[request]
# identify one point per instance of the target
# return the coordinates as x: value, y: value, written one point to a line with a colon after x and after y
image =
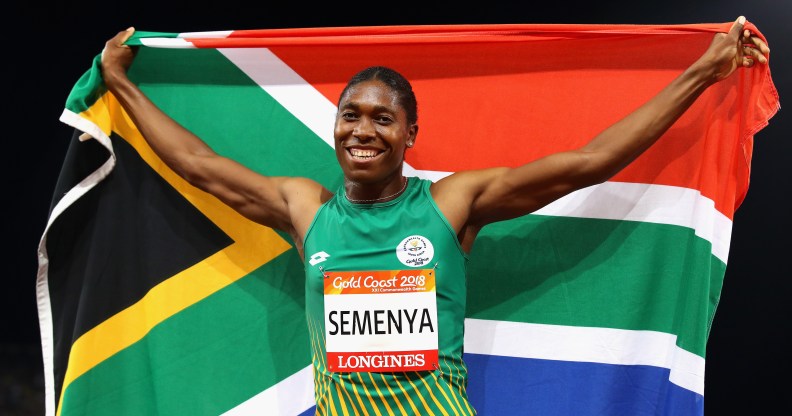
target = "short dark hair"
x: 393, y: 79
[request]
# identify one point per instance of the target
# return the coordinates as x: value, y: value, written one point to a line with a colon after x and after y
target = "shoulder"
x: 456, y: 194
x: 299, y: 188
x: 467, y: 183
x: 303, y: 197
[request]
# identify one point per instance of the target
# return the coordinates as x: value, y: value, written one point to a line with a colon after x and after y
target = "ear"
x: 412, y: 135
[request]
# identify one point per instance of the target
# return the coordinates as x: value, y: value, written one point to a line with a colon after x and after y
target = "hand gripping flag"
x: 155, y: 298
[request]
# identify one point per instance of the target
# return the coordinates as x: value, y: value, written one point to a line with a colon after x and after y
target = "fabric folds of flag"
x: 155, y: 298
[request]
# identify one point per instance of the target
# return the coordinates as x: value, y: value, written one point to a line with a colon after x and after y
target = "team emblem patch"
x: 415, y: 251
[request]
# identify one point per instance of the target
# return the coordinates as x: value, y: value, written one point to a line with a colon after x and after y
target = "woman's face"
x: 371, y: 133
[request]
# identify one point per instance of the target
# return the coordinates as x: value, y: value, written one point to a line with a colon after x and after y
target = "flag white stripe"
x: 170, y: 43
x: 42, y: 276
x: 215, y: 34
x: 659, y: 204
x: 288, y: 88
x: 291, y: 396
x: 586, y: 344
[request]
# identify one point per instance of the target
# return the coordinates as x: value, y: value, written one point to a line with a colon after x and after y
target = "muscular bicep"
x: 267, y: 200
x: 512, y: 192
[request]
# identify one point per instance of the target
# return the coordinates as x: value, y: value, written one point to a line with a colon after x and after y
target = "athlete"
x: 399, y: 349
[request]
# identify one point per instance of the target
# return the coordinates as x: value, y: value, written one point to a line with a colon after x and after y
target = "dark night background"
x: 47, y: 48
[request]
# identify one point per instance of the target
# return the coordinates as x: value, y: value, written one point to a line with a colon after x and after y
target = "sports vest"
x: 385, y: 304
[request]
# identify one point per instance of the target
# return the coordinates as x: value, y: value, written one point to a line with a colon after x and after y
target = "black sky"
x: 47, y: 48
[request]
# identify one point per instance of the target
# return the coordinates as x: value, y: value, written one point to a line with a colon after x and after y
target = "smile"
x: 363, y: 154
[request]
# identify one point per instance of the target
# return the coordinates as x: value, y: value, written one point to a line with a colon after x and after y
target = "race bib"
x: 384, y: 320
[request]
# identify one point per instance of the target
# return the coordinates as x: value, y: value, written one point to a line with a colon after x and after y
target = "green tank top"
x: 381, y: 250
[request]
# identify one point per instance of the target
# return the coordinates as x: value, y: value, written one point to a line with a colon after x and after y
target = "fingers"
x: 755, y: 41
x: 121, y: 37
x: 737, y: 28
x: 752, y: 53
x: 115, y: 48
x: 735, y: 49
x: 753, y: 48
x: 125, y: 35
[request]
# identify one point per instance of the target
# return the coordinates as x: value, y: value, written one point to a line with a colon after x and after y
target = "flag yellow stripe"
x: 254, y: 245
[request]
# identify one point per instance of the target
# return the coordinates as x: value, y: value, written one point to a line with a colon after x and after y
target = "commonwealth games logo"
x: 415, y: 251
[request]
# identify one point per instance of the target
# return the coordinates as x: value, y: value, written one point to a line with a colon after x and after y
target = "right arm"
x: 285, y: 203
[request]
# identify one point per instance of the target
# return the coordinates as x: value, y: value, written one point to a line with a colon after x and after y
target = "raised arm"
x: 280, y: 202
x: 475, y: 198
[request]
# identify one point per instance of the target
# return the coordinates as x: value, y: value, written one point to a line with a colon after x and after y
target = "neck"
x: 369, y: 193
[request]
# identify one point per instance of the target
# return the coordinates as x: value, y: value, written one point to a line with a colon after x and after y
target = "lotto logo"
x: 318, y: 258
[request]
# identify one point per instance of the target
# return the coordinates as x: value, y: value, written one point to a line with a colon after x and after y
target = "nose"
x: 364, y: 129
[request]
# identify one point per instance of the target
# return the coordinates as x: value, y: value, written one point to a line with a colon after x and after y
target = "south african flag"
x: 155, y: 298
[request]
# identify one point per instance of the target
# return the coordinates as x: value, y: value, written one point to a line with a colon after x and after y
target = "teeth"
x: 364, y: 153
